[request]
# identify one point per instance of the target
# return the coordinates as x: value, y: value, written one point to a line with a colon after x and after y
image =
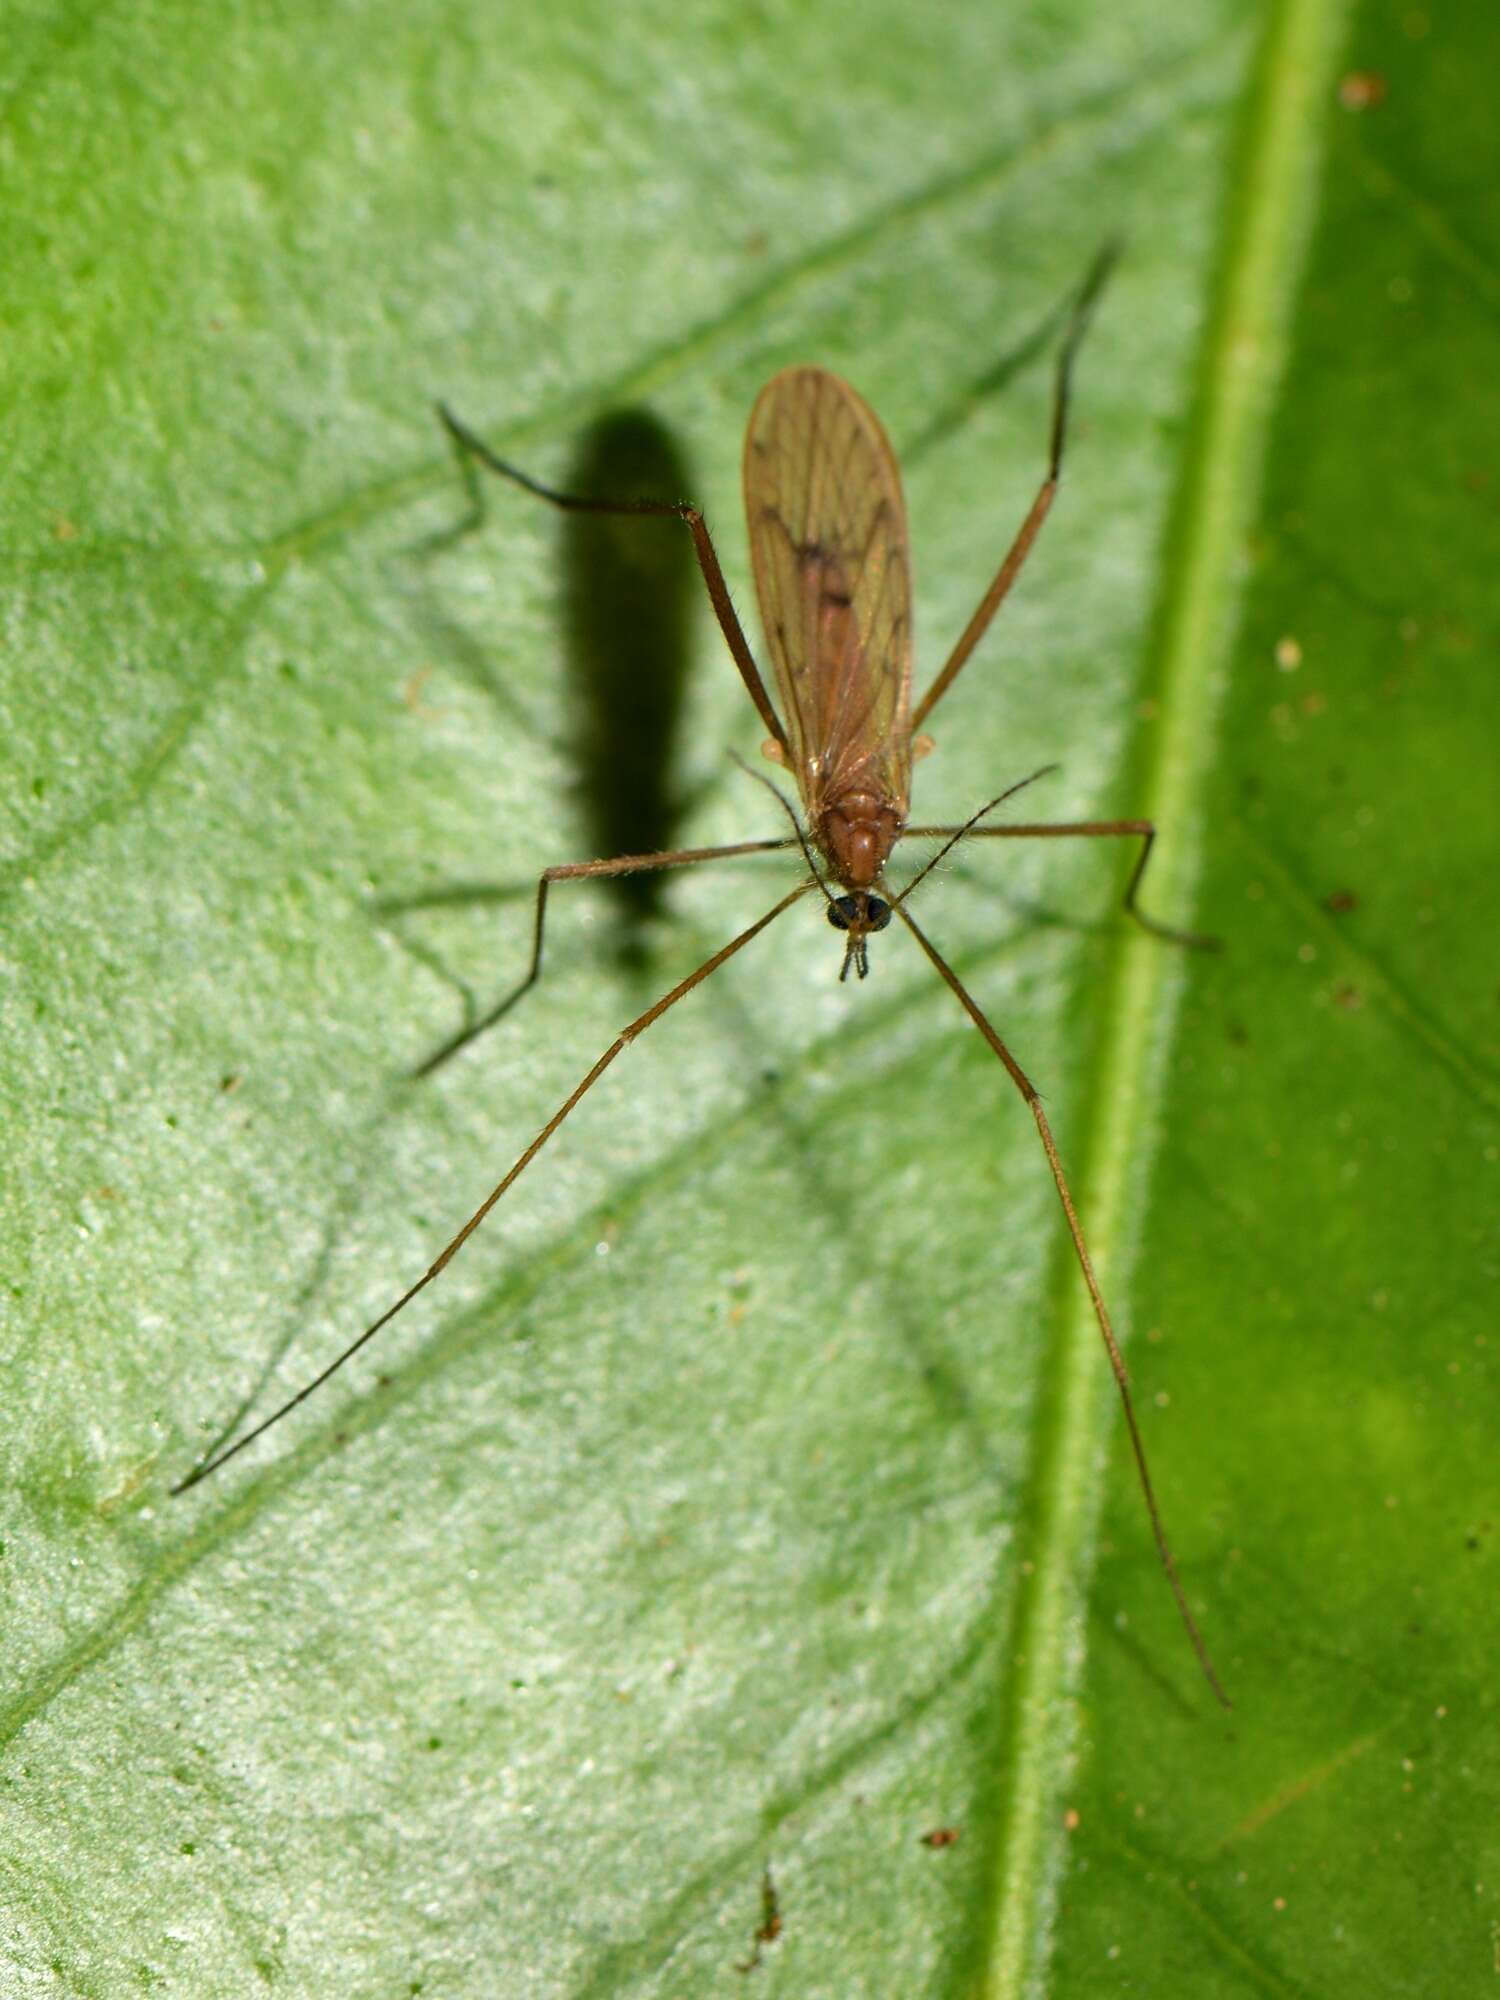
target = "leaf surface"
x: 734, y: 1499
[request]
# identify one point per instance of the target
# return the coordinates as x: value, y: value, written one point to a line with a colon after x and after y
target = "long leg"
x: 1020, y: 548
x: 451, y: 1250
x: 1025, y: 1086
x: 473, y: 447
x: 573, y: 871
x: 1143, y: 830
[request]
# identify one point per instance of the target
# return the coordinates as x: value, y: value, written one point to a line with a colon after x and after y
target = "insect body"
x: 828, y: 546
x: 828, y: 551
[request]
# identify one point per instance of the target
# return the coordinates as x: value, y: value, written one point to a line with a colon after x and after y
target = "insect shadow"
x: 628, y: 603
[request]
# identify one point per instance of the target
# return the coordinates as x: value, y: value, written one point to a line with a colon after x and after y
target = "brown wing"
x: 828, y: 547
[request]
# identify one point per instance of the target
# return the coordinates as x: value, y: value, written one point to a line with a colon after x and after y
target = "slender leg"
x: 1143, y: 830
x: 1020, y: 548
x: 451, y: 1249
x: 1024, y: 1085
x: 474, y: 448
x: 573, y: 871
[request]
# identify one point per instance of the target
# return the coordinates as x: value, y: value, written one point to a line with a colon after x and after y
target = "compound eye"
x: 841, y: 912
x: 877, y: 914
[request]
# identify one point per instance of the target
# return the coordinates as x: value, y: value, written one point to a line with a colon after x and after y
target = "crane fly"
x: 828, y: 547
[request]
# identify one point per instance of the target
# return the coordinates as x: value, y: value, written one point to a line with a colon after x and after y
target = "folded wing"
x: 828, y: 547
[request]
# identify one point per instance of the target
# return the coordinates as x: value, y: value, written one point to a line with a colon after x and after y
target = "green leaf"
x: 1319, y: 1257
x: 739, y: 1498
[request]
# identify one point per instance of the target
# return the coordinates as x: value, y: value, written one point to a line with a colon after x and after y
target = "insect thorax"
x: 856, y: 832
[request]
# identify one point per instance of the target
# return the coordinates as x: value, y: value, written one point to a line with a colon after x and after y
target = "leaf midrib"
x: 1274, y: 165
